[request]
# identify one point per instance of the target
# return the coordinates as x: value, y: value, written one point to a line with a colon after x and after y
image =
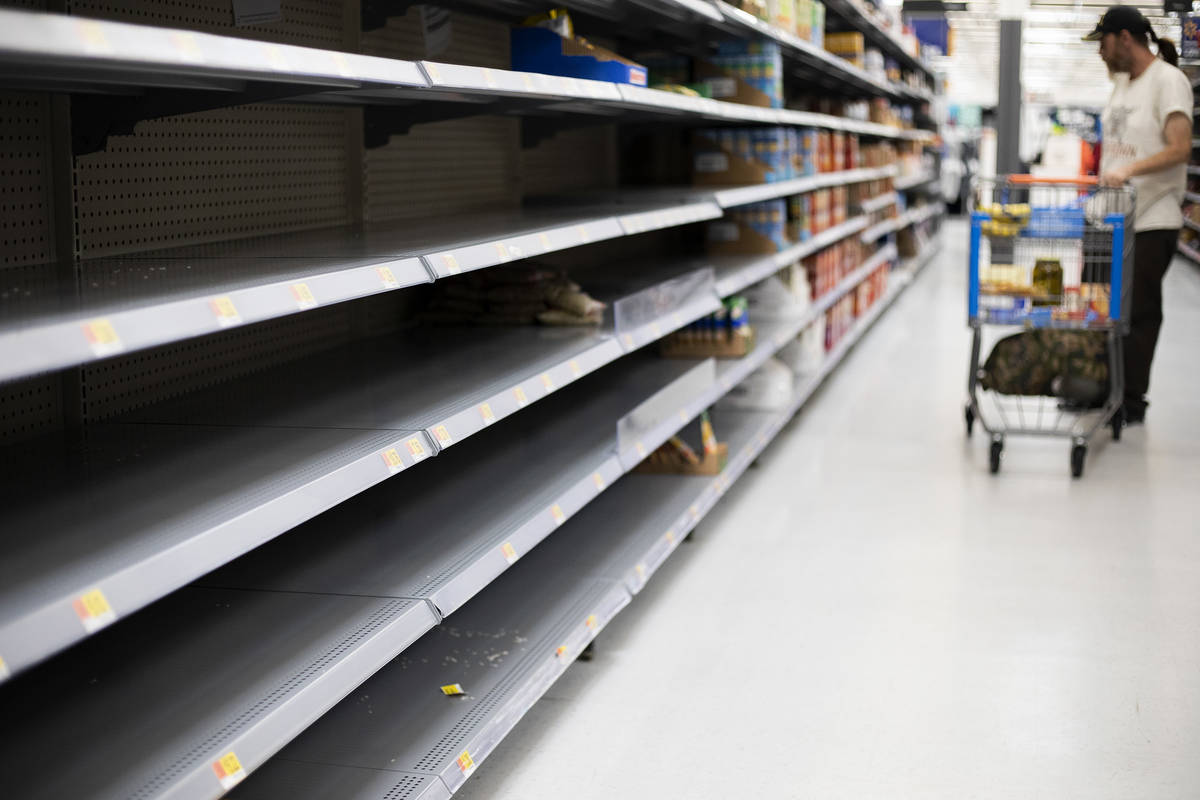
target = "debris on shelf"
x: 522, y: 295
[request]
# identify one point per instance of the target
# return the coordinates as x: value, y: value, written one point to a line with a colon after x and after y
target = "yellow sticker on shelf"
x: 557, y: 512
x: 627, y: 340
x: 229, y: 770
x: 641, y: 449
x: 562, y: 651
x: 391, y: 457
x: 186, y: 47
x: 443, y: 435
x: 416, y: 449
x: 677, y: 318
x: 656, y: 330
x: 435, y: 74
x: 453, y: 689
x: 502, y: 251
x: 93, y: 38
x: 225, y: 311
x: 576, y: 370
x: 583, y: 234
x: 670, y: 536
x: 598, y: 479
x: 545, y: 240
x: 304, y: 296
x: 340, y: 63
x: 510, y: 552
x: 547, y: 382
x: 102, y: 337
x: 489, y: 78
x: 276, y: 58
x: 683, y: 417
x: 640, y: 569
x: 592, y: 621
x: 93, y: 610
x: 387, y: 278
x: 522, y: 400
x: 4, y: 671
x: 527, y: 81
x: 466, y: 764
x: 694, y: 510
x: 451, y: 264
x: 485, y: 411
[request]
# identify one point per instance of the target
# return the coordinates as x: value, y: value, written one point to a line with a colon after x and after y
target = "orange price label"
x: 510, y: 552
x: 443, y: 435
x: 391, y: 458
x: 102, y: 338
x: 485, y: 411
x: 557, y: 512
x: 416, y: 449
x: 93, y: 610
x: 229, y: 770
x: 522, y: 400
x: 592, y: 621
x: 304, y: 296
x: 225, y: 311
x: 465, y: 764
x: 387, y: 278
x: 562, y: 652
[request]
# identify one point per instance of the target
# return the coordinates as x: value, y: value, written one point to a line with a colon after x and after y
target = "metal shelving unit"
x: 914, y: 181
x: 297, y: 611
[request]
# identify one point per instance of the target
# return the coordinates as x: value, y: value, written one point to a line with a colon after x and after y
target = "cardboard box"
x: 727, y: 346
x: 666, y: 462
x: 541, y: 50
x: 728, y: 237
x: 724, y: 85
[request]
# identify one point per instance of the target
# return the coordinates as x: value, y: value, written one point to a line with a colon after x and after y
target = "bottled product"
x: 1047, y: 282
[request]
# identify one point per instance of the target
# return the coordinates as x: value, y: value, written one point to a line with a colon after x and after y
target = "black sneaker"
x: 1135, y: 416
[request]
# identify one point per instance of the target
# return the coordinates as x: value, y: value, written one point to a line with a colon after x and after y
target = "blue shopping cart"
x: 1052, y: 260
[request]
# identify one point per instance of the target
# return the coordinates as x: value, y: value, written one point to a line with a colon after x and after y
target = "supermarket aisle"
x: 872, y: 615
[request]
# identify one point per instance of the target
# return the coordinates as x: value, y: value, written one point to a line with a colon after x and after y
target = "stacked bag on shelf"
x: 518, y: 295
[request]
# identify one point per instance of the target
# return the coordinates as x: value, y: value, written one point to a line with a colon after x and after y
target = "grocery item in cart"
x: 1044, y: 362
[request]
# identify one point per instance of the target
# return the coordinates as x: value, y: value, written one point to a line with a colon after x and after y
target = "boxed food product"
x: 750, y: 229
x: 804, y: 19
x: 757, y: 64
x: 818, y: 23
x: 724, y: 156
x: 783, y: 14
x: 538, y: 49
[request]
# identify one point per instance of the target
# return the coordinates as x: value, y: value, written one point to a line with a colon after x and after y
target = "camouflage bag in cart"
x: 1070, y: 364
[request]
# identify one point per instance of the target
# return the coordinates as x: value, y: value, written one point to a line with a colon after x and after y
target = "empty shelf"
x: 735, y: 273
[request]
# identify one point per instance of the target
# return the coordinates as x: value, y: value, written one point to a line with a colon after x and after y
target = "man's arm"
x: 1178, y: 133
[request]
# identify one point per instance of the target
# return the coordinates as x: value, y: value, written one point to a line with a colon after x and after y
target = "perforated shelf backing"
x: 134, y: 381
x: 312, y: 23
x: 580, y: 159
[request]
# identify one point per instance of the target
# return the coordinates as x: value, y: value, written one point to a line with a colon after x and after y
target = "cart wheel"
x: 970, y: 421
x: 1078, y: 454
x: 997, y: 450
x: 1117, y: 422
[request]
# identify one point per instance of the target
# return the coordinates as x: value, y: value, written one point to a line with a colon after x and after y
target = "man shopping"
x: 1147, y: 140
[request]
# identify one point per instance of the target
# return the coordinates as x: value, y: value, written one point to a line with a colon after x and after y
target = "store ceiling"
x: 1056, y: 66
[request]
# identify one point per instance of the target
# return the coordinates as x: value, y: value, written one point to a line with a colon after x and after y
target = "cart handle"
x: 1081, y: 180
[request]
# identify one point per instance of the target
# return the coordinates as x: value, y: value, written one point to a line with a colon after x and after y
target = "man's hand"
x: 1117, y: 175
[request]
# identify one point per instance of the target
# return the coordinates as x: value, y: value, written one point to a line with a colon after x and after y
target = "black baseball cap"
x: 1117, y: 19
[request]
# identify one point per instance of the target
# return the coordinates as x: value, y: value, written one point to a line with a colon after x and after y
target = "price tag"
x: 683, y: 417
x: 510, y: 552
x: 435, y: 74
x: 557, y: 512
x: 640, y: 569
x: 485, y: 411
x: 502, y: 251
x: 660, y: 220
x: 465, y: 764
x: 584, y: 236
x: 229, y: 770
x: 225, y: 311
x: 451, y: 264
x: 93, y: 610
x: 522, y: 400
x: 452, y: 689
x: 677, y: 318
x: 304, y: 296
x: 387, y: 278
x: 598, y: 479
x: 416, y: 450
x: 276, y: 58
x: 527, y: 81
x: 656, y: 330
x: 592, y: 621
x: 576, y: 370
x: 670, y: 536
x: 443, y: 435
x: 489, y: 78
x: 627, y: 340
x: 340, y: 63
x: 95, y: 42
x: 4, y: 671
x: 562, y: 653
x: 186, y: 47
x: 547, y: 382
x: 640, y: 449
x: 545, y: 240
x: 391, y: 457
x: 102, y: 338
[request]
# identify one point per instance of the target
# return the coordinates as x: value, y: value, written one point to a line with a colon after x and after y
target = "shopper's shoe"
x: 1134, y: 416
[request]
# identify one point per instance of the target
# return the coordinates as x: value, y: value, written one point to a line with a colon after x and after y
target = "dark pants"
x: 1153, y: 251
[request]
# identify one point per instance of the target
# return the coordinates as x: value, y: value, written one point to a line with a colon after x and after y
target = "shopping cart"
x: 1053, y: 259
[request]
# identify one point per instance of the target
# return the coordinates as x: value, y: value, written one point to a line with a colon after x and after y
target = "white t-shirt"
x: 1132, y: 129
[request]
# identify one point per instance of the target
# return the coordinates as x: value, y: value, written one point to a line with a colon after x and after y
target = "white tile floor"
x: 870, y: 614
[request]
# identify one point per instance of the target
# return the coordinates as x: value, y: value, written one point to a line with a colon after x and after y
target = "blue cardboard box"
x: 541, y: 50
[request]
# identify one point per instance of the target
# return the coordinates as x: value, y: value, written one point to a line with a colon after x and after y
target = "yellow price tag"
x: 465, y: 764
x: 443, y: 435
x: 502, y: 251
x: 304, y: 296
x: 102, y: 337
x: 640, y: 569
x: 522, y: 400
x: 583, y: 234
x: 527, y: 81
x: 545, y: 240
x: 598, y: 479
x: 576, y: 370
x: 561, y: 651
x: 416, y: 449
x: 391, y: 458
x: 592, y: 621
x: 435, y: 74
x: 93, y: 610
x: 225, y: 311
x: 557, y: 512
x: 489, y: 78
x: 4, y: 671
x: 340, y: 63
x: 229, y: 770
x: 641, y: 449
x: 276, y: 58
x: 670, y: 536
x: 453, y: 689
x: 95, y: 42
x: 387, y: 278
x: 186, y: 47
x: 510, y: 552
x: 627, y: 340
x: 656, y: 330
x: 451, y: 264
x: 485, y: 411
x: 547, y: 382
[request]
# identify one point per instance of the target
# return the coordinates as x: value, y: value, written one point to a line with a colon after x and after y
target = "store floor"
x: 870, y: 614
